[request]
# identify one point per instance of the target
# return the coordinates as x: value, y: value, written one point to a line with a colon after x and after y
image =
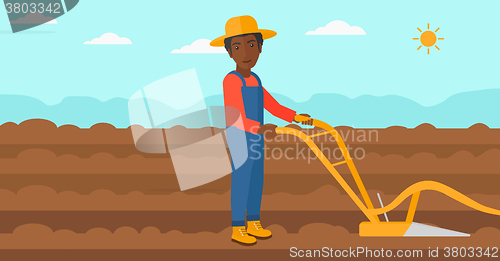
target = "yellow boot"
x: 255, y: 229
x: 241, y: 236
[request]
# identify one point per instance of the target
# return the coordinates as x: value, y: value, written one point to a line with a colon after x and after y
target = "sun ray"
x: 437, y: 47
x: 415, y: 38
x: 428, y: 26
x: 419, y: 47
x: 419, y: 29
x: 437, y: 30
x: 428, y: 51
x: 440, y: 38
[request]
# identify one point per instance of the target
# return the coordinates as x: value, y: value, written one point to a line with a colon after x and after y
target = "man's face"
x: 245, y: 51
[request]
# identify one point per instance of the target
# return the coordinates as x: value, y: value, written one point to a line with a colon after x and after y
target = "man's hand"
x: 268, y: 130
x: 307, y: 122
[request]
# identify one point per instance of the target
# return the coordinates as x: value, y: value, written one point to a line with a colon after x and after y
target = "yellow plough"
x: 374, y: 227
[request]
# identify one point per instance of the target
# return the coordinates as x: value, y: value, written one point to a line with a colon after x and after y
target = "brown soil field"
x: 36, y: 236
x: 297, y: 184
x: 103, y: 137
x: 178, y: 254
x: 72, y: 193
x: 215, y: 221
x: 42, y: 161
x: 326, y: 198
x: 39, y: 131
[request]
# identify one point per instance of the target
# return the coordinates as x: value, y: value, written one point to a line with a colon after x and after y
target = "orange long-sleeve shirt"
x: 234, y: 99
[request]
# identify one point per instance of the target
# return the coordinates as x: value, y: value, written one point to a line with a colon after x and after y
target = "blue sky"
x: 51, y: 62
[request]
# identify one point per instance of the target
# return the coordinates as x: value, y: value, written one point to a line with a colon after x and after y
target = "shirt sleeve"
x: 276, y: 109
x: 234, y: 107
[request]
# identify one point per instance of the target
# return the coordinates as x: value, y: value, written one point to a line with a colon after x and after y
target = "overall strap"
x: 240, y: 76
x: 257, y: 77
x: 243, y: 79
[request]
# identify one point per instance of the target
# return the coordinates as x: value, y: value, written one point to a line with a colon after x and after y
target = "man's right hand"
x: 305, y: 122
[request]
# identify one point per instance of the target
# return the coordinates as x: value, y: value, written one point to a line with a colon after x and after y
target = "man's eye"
x: 236, y: 47
x: 251, y: 45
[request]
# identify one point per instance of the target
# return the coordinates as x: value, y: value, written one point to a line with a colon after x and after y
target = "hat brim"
x: 266, y: 34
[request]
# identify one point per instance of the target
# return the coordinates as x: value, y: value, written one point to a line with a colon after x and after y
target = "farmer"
x: 244, y: 93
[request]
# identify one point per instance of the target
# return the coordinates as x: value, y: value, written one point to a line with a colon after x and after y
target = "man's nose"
x: 245, y: 51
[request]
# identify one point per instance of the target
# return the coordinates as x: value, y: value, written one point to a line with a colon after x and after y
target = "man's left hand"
x: 268, y: 130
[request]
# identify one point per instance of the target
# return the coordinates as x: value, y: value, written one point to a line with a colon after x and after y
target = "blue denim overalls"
x: 247, y: 178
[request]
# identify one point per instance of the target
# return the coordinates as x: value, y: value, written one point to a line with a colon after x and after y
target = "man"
x: 243, y: 93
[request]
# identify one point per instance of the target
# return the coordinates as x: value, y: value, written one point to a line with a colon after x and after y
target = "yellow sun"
x: 428, y: 39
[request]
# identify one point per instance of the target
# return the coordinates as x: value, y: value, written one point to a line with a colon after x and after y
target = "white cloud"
x: 34, y: 18
x: 200, y: 46
x: 109, y: 38
x: 338, y: 28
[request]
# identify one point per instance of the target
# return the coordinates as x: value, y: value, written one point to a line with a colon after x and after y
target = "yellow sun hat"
x: 242, y: 25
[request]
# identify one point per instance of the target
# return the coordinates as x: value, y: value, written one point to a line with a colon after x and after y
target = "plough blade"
x: 422, y: 230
